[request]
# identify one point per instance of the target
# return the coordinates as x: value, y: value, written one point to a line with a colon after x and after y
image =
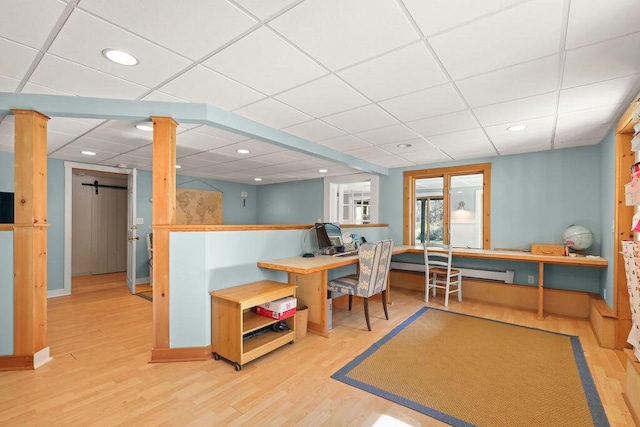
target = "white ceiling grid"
x: 359, y: 76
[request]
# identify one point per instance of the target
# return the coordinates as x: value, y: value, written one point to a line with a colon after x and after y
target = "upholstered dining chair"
x: 439, y: 274
x: 374, y: 260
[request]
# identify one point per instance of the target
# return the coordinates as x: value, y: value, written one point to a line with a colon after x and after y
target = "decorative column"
x: 30, y: 240
x: 164, y: 215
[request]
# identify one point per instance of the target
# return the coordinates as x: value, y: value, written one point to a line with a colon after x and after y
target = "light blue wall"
x: 6, y: 293
x: 298, y: 202
x: 55, y: 217
x: 202, y: 262
x: 607, y: 196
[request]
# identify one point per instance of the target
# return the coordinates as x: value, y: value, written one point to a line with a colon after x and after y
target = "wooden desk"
x: 521, y: 257
x: 310, y: 274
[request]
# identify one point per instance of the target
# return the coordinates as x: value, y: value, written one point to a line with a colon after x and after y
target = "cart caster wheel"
x: 238, y: 366
x: 292, y: 341
x: 216, y: 356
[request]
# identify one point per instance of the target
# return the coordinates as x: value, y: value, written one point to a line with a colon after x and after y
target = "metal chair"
x: 374, y: 261
x: 439, y: 274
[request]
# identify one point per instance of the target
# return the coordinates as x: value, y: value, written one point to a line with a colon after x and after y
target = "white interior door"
x: 132, y: 235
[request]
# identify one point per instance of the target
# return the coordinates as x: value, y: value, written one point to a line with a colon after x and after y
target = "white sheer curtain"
x: 631, y: 253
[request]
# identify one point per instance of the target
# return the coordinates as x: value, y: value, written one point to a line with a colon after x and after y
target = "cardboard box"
x: 280, y: 305
x: 277, y: 315
x: 547, y: 249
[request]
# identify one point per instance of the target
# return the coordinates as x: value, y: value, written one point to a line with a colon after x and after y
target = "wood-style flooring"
x: 100, y: 339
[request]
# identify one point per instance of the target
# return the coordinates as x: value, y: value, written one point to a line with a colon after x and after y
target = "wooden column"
x: 30, y: 239
x: 164, y: 215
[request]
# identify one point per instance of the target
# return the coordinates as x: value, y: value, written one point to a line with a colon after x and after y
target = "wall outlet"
x: 140, y: 221
x: 530, y: 279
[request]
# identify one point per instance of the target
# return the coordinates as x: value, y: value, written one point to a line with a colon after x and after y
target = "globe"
x: 577, y: 237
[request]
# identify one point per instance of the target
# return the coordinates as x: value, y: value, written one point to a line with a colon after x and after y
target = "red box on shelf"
x: 277, y: 315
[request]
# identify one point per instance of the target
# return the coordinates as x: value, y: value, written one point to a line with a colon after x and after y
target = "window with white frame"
x: 351, y: 199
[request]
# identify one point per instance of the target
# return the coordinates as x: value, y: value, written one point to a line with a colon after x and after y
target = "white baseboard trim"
x: 58, y: 293
x: 41, y: 357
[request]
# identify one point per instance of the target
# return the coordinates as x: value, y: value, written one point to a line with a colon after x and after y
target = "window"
x: 448, y: 205
x: 351, y: 199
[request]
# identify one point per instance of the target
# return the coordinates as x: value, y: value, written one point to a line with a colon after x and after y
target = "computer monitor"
x: 329, y: 234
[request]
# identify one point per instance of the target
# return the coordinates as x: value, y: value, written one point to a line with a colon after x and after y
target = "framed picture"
x: 336, y: 241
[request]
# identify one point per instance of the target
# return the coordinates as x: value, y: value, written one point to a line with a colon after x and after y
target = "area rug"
x: 148, y: 295
x: 465, y: 370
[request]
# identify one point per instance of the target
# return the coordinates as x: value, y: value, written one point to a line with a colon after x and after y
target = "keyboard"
x: 341, y: 254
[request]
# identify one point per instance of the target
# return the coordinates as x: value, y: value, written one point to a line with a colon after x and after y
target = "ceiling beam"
x: 182, y: 112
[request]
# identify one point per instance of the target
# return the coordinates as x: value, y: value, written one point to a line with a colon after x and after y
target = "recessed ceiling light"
x: 323, y: 170
x: 516, y: 128
x: 404, y: 145
x: 88, y: 153
x: 122, y: 165
x: 144, y: 127
x: 257, y: 179
x: 242, y: 151
x: 120, y: 57
x: 178, y: 166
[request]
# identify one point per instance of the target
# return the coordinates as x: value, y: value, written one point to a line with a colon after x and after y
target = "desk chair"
x: 439, y: 274
x: 374, y: 260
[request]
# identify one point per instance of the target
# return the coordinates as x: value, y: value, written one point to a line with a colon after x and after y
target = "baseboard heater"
x: 505, y: 276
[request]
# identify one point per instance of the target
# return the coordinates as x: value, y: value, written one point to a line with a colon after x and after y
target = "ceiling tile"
x: 427, y: 156
x: 192, y: 162
x: 72, y: 126
x: 524, y: 147
x: 273, y: 113
x: 8, y: 84
x: 103, y: 146
x: 344, y: 143
x: 592, y: 21
x: 327, y: 95
x: 361, y: 119
x: 416, y: 145
x: 20, y: 56
x: 201, y: 141
x: 69, y: 77
x: 581, y: 133
x: 156, y: 64
x: 462, y: 120
x: 519, y: 109
x: 339, y: 33
x: 603, y: 61
x: 397, y: 73
x: 426, y: 103
x: 471, y: 137
x: 314, y: 130
x: 42, y: 90
x: 529, y: 31
x: 264, y: 9
x: 257, y: 149
x: 577, y: 143
x: 129, y: 161
x: 194, y: 29
x: 597, y: 94
x: 202, y: 85
x: 434, y: 16
x: 393, y: 133
x: 528, y: 79
x: 29, y: 21
x: 538, y: 132
x: 264, y: 61
x: 161, y: 97
x: 589, y: 117
x: 278, y: 158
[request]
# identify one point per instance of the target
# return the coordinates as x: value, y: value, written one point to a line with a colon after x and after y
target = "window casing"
x: 420, y: 220
x: 351, y: 199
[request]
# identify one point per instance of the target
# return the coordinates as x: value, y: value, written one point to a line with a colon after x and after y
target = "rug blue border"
x: 598, y: 414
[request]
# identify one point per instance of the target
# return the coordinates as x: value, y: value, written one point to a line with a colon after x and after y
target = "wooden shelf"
x: 232, y: 317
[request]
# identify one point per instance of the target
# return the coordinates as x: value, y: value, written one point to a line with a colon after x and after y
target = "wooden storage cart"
x: 233, y: 320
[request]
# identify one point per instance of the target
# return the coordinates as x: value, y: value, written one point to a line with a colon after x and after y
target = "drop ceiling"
x: 397, y: 83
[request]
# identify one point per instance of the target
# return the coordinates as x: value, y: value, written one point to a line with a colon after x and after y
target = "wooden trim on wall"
x: 163, y: 214
x: 16, y: 363
x: 623, y: 215
x: 30, y: 234
x: 181, y: 354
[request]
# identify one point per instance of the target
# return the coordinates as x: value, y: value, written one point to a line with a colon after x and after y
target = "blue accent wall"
x: 6, y: 293
x: 55, y: 217
x: 298, y: 202
x: 608, y: 197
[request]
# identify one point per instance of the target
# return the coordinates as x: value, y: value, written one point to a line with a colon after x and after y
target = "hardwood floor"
x: 100, y: 339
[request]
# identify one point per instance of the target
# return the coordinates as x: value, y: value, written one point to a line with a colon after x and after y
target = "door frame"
x: 68, y: 198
